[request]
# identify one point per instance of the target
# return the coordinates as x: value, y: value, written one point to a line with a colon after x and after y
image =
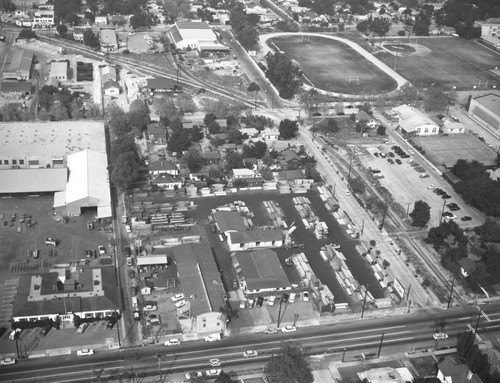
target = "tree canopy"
x: 283, y: 74
x: 289, y: 365
x: 288, y: 129
x: 421, y: 214
x: 244, y: 25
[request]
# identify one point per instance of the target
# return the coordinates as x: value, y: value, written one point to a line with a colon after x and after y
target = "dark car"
x: 391, y: 161
x: 45, y: 330
x: 398, y: 161
x: 260, y: 301
x: 446, y: 196
x: 466, y: 218
x: 375, y: 154
x: 111, y: 323
x: 285, y: 298
x: 391, y: 154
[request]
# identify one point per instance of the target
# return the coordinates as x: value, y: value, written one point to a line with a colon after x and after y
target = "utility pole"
x: 362, y: 226
x: 383, y: 217
x: 279, y: 312
x: 451, y: 292
x: 477, y: 322
x: 364, y: 301
x: 380, y: 346
x: 350, y: 166
x: 408, y: 209
x: 442, y: 212
x: 343, y: 354
x: 159, y: 367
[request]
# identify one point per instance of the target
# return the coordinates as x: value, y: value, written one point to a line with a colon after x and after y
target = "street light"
x: 159, y: 367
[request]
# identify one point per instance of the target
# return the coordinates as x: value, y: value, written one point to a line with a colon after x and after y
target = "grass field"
x: 447, y: 150
x: 449, y: 61
x: 327, y: 64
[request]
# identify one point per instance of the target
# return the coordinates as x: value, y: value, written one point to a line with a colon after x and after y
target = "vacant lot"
x: 447, y: 61
x: 333, y: 66
x: 447, y: 150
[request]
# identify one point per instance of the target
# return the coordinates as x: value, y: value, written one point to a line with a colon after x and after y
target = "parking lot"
x: 405, y: 183
x: 22, y: 235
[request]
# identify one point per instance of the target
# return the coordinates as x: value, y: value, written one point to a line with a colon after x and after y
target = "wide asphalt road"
x: 359, y: 338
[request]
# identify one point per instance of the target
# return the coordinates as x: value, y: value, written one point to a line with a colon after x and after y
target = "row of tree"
x: 477, y: 360
x: 244, y: 25
x: 126, y: 164
x: 283, y: 74
x: 477, y: 188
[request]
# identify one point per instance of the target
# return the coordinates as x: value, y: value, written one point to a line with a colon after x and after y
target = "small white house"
x: 271, y: 134
x: 244, y: 173
x: 111, y: 88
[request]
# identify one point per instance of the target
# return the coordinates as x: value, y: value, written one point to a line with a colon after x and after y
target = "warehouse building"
x: 486, y: 110
x: 195, y: 35
x: 247, y: 240
x: 17, y: 64
x: 260, y: 271
x: 87, y: 186
x: 59, y: 70
x: 108, y: 39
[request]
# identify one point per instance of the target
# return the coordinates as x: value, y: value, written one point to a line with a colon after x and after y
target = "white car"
x: 289, y: 329
x: 440, y: 336
x: 196, y: 374
x: 430, y: 187
x: 131, y: 34
x: 271, y: 330
x: 85, y: 352
x: 272, y: 300
x: 50, y: 242
x: 7, y: 361
x: 173, y: 342
x: 305, y: 296
x: 243, y: 304
x: 213, y: 372
x: 250, y: 354
x: 177, y: 297
x: 102, y: 250
x: 347, y: 192
x: 180, y: 304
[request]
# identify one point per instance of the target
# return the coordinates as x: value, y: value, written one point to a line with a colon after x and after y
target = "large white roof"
x: 88, y: 179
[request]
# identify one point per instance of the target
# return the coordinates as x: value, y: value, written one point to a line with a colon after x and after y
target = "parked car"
x: 85, y: 352
x: 131, y: 274
x: 102, y: 250
x: 137, y: 315
x: 251, y: 303
x: 271, y: 330
x: 213, y: 372
x: 446, y: 196
x: 391, y: 161
x: 173, y: 342
x: 177, y: 297
x: 82, y: 328
x: 440, y: 336
x: 453, y: 206
x: 111, y: 323
x: 272, y: 300
x: 213, y: 337
x: 398, y: 161
x: 449, y: 215
x: 250, y: 354
x: 214, y: 362
x: 243, y: 304
x: 289, y: 329
x: 305, y: 296
x: 466, y: 218
x: 260, y: 301
x: 424, y: 175
x: 192, y: 375
x: 347, y: 192
x: 7, y: 361
x: 49, y: 241
x: 180, y: 304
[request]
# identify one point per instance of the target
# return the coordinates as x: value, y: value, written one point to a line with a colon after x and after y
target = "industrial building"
x: 108, y: 39
x: 414, y: 123
x: 247, y: 240
x: 195, y: 35
x: 17, y: 64
x: 486, y: 110
x: 59, y: 70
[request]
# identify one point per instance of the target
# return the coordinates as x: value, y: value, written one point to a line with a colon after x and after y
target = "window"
x: 204, y: 325
x: 34, y: 162
x: 21, y: 162
x: 0, y: 162
x: 426, y: 130
x: 257, y: 243
x: 434, y: 130
x: 14, y: 162
x: 6, y: 162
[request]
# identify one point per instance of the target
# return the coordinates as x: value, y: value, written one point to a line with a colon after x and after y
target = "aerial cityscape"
x: 250, y: 191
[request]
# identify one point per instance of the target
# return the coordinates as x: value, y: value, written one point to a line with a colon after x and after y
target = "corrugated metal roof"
x: 229, y: 220
x: 42, y: 180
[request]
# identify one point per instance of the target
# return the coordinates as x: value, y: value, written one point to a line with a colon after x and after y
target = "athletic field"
x: 447, y: 150
x: 333, y: 66
x: 448, y: 61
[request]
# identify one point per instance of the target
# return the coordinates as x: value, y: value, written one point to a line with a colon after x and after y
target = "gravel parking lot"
x: 406, y: 186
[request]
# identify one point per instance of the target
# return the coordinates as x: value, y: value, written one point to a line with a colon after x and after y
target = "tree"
x: 357, y: 185
x: 283, y: 74
x: 289, y: 365
x: 380, y: 26
x: 310, y: 101
x: 59, y: 112
x: 363, y: 26
x: 234, y: 136
x: 223, y: 378
x: 435, y: 99
x: 90, y: 39
x: 288, y: 129
x: 421, y: 214
x: 125, y: 170
x: 7, y: 6
x: 139, y: 19
x: 165, y: 107
x: 234, y: 160
x: 193, y: 159
x: 178, y: 142
x: 185, y: 103
x: 254, y: 87
x: 213, y: 127
x: 62, y: 30
x: 381, y: 130
x: 260, y: 149
x: 27, y: 34
x: 118, y: 20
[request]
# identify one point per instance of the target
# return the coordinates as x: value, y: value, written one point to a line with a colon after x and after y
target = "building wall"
x: 112, y: 92
x: 427, y: 130
x: 484, y: 115
x: 170, y: 186
x: 67, y: 317
x: 252, y: 245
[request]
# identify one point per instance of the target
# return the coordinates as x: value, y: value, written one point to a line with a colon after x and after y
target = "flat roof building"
x: 53, y: 295
x: 59, y: 70
x: 16, y: 64
x: 486, y: 110
x: 227, y: 221
x: 108, y: 39
x: 203, y: 289
x: 32, y: 181
x: 195, y: 35
x: 260, y: 271
x: 248, y: 240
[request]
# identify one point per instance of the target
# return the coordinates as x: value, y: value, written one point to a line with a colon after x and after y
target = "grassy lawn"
x: 328, y: 64
x: 447, y: 61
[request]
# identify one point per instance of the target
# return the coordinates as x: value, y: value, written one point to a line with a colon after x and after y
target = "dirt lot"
x: 317, y: 58
x: 449, y: 61
x: 18, y: 239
